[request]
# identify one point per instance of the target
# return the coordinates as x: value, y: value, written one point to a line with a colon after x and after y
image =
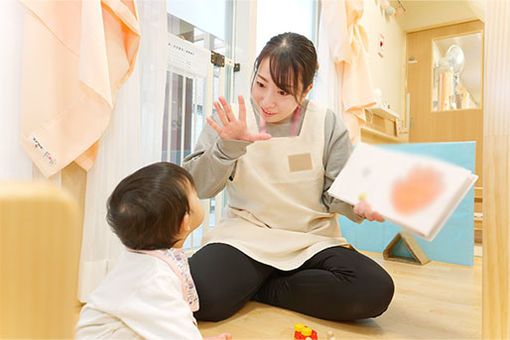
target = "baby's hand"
x: 222, y: 336
x: 364, y: 209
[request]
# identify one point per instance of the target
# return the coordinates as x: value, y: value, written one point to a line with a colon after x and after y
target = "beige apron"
x: 274, y: 212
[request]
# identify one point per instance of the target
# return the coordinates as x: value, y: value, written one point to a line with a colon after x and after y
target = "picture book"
x: 418, y: 193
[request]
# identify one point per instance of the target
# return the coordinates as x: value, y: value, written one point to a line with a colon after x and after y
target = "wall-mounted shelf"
x: 383, y: 112
x: 380, y: 136
x: 382, y: 126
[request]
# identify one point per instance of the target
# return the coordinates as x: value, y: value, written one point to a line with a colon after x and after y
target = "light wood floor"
x: 435, y: 301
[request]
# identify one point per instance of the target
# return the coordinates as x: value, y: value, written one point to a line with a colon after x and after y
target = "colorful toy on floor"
x: 301, y: 332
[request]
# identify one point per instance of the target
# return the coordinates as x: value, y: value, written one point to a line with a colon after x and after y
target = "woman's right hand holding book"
x: 363, y: 209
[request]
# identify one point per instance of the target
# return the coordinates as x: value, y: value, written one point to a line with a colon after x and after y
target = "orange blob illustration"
x: 416, y: 191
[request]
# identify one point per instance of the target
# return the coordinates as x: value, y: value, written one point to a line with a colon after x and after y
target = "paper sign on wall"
x: 186, y: 59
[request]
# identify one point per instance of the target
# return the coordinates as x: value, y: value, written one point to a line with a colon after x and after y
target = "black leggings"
x: 335, y: 284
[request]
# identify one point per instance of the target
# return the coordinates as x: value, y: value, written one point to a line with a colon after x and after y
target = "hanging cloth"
x: 76, y: 56
x: 348, y: 49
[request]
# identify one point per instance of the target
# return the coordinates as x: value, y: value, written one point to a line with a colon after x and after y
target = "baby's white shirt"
x: 140, y: 298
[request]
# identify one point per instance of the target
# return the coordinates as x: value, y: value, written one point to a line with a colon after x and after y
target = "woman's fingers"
x: 242, y: 108
x: 234, y: 128
x: 361, y: 208
x: 215, y: 126
x: 227, y: 109
x: 221, y: 114
x: 364, y: 209
x: 378, y: 217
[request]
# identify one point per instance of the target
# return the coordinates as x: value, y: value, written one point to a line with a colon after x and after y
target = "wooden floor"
x: 435, y: 301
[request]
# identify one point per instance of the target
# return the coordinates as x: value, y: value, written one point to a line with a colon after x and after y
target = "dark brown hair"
x: 146, y: 208
x: 291, y: 57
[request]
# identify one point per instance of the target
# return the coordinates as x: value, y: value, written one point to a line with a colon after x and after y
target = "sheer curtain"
x: 119, y: 154
x: 14, y: 163
x: 328, y: 87
x: 133, y: 139
x: 153, y: 59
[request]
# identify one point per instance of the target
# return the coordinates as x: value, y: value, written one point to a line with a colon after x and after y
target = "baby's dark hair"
x: 147, y: 207
x: 292, y: 57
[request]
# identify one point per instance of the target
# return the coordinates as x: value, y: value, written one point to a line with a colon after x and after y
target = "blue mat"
x: 455, y: 242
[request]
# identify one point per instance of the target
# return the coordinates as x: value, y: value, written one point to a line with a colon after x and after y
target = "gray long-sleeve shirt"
x: 213, y: 162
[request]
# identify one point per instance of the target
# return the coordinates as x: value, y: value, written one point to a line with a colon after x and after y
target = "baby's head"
x: 155, y: 208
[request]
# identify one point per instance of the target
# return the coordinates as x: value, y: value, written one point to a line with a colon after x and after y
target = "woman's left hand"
x: 364, y: 209
x: 232, y: 127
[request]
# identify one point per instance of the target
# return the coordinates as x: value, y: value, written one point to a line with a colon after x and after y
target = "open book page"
x: 416, y: 192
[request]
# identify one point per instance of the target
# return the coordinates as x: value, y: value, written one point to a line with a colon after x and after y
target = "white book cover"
x: 418, y: 193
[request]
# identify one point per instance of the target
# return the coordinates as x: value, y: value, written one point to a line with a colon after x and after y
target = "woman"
x: 279, y: 242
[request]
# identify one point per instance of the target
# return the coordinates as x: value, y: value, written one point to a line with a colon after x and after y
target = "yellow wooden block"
x: 40, y: 240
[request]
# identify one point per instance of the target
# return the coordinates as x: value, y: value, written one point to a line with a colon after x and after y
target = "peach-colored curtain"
x: 76, y: 56
x: 346, y: 61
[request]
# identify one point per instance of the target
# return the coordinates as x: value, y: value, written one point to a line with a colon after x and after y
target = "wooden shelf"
x: 383, y: 112
x: 381, y: 135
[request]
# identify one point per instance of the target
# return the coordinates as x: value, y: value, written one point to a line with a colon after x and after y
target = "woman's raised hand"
x: 234, y: 128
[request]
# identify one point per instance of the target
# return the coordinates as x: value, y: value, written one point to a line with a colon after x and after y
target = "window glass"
x: 206, y: 24
x: 275, y: 17
x: 457, y: 72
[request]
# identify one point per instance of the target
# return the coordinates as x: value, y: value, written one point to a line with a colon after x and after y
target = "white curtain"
x: 133, y: 139
x: 153, y: 57
x: 119, y: 154
x: 327, y: 88
x: 14, y: 163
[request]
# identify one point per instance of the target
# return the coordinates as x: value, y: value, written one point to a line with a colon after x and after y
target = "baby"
x: 149, y: 293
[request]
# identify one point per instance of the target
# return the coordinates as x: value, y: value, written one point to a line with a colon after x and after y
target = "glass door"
x: 193, y: 81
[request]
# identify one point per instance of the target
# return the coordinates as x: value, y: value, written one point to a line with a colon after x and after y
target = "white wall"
x: 388, y: 72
